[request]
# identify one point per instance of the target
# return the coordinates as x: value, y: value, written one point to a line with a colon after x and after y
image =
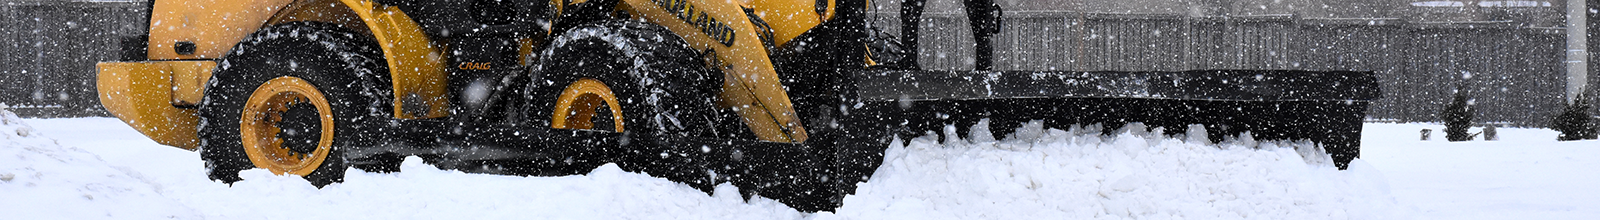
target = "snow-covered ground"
x: 88, y: 168
x: 1527, y: 174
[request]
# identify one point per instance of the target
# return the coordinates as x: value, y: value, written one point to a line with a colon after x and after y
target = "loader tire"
x: 293, y: 98
x: 637, y: 71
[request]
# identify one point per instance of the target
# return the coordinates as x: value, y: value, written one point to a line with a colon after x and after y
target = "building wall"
x: 50, y: 49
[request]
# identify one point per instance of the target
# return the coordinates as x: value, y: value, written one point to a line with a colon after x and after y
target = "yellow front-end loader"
x: 789, y: 99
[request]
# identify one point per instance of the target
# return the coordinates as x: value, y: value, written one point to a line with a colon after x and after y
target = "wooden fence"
x: 50, y: 49
x: 1514, y: 73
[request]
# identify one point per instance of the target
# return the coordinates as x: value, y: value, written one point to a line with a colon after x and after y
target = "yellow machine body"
x: 146, y: 94
x: 158, y: 97
x: 213, y: 26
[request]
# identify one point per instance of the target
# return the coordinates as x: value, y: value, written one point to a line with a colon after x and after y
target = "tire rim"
x: 581, y: 101
x: 287, y: 126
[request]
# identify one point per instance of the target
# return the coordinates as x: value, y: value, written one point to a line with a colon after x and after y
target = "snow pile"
x: 422, y: 191
x: 40, y: 179
x: 1079, y: 174
x: 1035, y: 174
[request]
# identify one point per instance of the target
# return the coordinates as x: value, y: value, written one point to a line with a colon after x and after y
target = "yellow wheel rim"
x: 577, y: 105
x: 261, y: 122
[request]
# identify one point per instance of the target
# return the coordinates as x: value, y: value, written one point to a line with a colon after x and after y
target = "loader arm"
x: 731, y: 43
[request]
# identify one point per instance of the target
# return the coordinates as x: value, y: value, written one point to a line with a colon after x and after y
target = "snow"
x: 1524, y: 175
x: 418, y: 192
x: 1035, y: 174
x: 40, y: 179
x: 1066, y: 174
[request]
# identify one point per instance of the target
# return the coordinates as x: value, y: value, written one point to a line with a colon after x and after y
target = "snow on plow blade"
x: 1326, y: 107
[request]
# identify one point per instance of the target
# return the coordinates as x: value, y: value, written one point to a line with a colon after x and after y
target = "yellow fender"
x: 416, y: 66
x: 157, y: 97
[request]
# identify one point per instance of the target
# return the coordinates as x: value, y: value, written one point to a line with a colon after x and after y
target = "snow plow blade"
x: 1326, y: 107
